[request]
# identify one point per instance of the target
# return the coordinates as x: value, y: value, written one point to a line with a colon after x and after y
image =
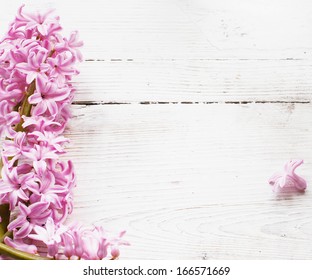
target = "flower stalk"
x: 25, y: 108
x: 5, y: 219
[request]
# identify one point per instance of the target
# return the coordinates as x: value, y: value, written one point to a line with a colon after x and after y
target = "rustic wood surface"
x: 184, y: 109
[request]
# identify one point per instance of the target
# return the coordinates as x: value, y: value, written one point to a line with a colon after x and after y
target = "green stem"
x: 7, y: 234
x: 5, y: 219
x: 26, y: 107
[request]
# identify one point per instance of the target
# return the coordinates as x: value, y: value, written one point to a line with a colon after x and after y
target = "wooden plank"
x: 194, y: 81
x: 190, y: 181
x: 161, y: 29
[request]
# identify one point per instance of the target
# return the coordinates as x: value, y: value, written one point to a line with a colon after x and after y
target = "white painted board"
x: 186, y: 180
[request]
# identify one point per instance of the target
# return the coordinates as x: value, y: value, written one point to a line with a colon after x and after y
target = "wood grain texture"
x: 182, y: 29
x: 190, y: 182
x: 194, y: 81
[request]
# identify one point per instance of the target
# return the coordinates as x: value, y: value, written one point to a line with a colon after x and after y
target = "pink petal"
x: 35, y: 98
x: 23, y: 67
x: 31, y: 76
x: 20, y: 245
x: 25, y: 229
x: 288, y: 180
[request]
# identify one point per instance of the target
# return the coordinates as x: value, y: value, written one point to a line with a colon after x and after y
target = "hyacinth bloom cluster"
x: 36, y: 68
x: 288, y: 180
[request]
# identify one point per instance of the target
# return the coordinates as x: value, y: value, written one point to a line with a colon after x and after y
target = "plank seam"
x: 88, y: 103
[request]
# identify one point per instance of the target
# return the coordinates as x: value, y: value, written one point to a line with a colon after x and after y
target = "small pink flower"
x: 50, y: 140
x: 48, y: 90
x: 40, y: 152
x: 47, y: 190
x: 72, y: 44
x: 103, y: 243
x: 288, y: 180
x: 46, y: 96
x: 62, y: 66
x: 116, y: 243
x: 14, y: 149
x: 50, y: 235
x: 14, y: 186
x: 36, y: 214
x: 20, y: 52
x: 40, y: 123
x: 68, y: 243
x: 43, y: 23
x: 35, y: 64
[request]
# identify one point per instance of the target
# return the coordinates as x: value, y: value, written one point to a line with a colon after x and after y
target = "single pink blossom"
x: 35, y: 64
x: 49, y: 139
x: 47, y: 190
x: 64, y: 174
x: 20, y: 52
x: 50, y: 235
x: 48, y: 90
x: 72, y: 44
x: 14, y: 149
x: 40, y: 152
x: 62, y: 67
x: 68, y: 243
x: 100, y: 236
x: 288, y: 180
x: 47, y: 95
x: 14, y: 186
x: 116, y: 243
x: 36, y: 214
x: 43, y: 23
x: 40, y: 123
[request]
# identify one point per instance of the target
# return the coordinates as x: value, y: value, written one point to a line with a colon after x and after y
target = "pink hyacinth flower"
x: 35, y: 65
x: 46, y: 96
x: 288, y: 180
x: 14, y: 149
x: 50, y: 235
x: 36, y: 214
x: 42, y: 22
x: 14, y: 185
x: 71, y: 44
x: 62, y: 67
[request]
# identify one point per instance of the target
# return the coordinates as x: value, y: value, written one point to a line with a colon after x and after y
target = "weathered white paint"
x: 189, y: 181
x: 182, y: 29
x: 195, y: 81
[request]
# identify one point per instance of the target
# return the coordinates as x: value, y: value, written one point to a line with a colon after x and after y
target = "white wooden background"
x: 184, y: 110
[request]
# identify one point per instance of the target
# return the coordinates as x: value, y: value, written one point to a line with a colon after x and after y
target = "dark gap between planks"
x: 187, y: 102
